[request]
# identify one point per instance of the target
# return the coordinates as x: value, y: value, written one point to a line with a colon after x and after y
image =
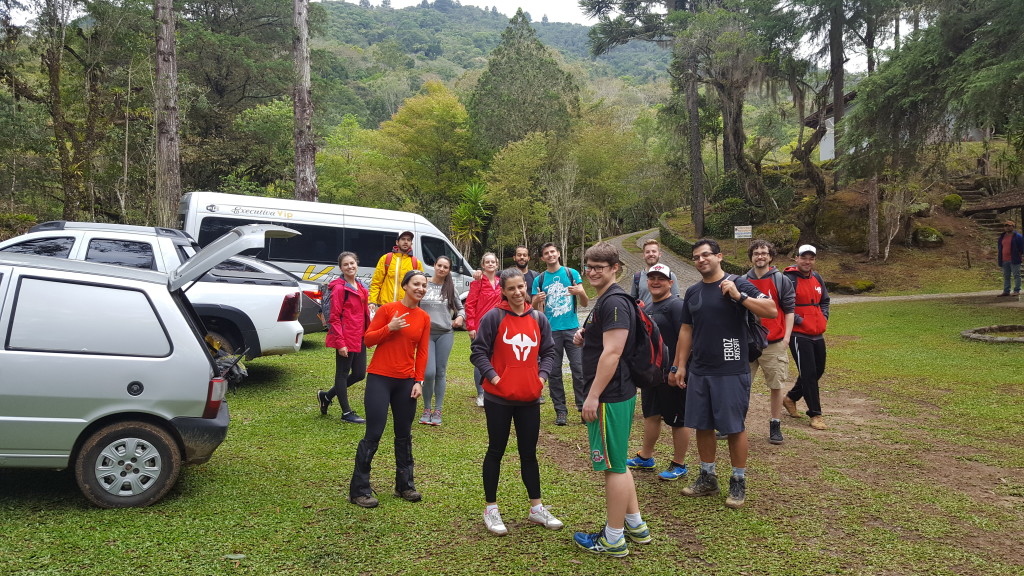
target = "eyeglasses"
x: 762, y: 254
x: 589, y: 268
x: 703, y: 256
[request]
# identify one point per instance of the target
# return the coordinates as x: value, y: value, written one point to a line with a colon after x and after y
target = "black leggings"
x: 499, y: 426
x: 809, y: 354
x: 381, y: 393
x: 347, y: 371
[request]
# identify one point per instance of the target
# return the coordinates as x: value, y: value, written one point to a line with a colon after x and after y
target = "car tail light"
x: 313, y: 294
x: 290, y: 308
x: 218, y: 388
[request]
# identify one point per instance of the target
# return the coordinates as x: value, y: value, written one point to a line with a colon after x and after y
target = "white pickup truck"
x: 245, y: 311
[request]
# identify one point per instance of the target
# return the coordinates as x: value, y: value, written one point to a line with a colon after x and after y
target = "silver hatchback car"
x: 104, y: 369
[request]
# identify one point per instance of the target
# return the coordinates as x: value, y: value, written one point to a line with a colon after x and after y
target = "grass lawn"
x: 919, y: 473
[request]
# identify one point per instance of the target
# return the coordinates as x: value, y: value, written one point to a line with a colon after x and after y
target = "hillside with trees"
x: 506, y: 131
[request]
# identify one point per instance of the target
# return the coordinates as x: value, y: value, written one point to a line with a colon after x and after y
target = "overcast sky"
x: 556, y: 10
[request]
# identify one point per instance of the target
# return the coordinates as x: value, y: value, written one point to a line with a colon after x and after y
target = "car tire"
x: 225, y: 343
x: 127, y: 464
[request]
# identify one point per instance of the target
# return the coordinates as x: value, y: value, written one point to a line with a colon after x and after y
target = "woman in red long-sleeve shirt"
x: 484, y: 294
x: 401, y: 333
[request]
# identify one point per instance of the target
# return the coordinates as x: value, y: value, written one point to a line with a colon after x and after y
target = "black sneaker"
x: 560, y: 418
x: 775, y: 432
x: 352, y: 418
x: 705, y: 485
x: 737, y: 492
x: 324, y: 401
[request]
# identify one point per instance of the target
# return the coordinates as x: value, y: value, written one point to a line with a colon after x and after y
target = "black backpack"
x: 646, y: 357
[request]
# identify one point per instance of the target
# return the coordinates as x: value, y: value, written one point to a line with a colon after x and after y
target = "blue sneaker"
x: 597, y: 544
x: 673, y: 472
x: 640, y: 534
x: 638, y: 462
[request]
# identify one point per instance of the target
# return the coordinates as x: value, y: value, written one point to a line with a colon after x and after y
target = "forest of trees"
x: 503, y: 131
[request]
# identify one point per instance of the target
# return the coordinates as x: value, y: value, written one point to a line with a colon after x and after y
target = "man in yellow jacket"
x: 386, y: 285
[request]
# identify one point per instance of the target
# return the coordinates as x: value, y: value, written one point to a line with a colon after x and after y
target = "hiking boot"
x: 673, y: 472
x: 366, y: 501
x: 737, y: 492
x: 598, y: 544
x: 640, y: 533
x: 546, y: 519
x: 705, y: 485
x: 1003, y: 295
x: 493, y: 522
x: 818, y: 422
x: 324, y: 401
x: 775, y: 432
x: 409, y: 495
x: 560, y: 418
x: 352, y: 418
x: 638, y: 462
x: 790, y: 407
x: 435, y: 418
x: 425, y: 417
x: 480, y: 400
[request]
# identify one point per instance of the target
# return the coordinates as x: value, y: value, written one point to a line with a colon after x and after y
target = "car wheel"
x: 127, y: 464
x: 225, y: 343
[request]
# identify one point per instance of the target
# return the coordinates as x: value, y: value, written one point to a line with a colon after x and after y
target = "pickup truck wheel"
x: 225, y: 343
x: 127, y: 464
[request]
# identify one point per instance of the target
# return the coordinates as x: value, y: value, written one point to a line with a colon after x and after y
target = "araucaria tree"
x: 523, y: 90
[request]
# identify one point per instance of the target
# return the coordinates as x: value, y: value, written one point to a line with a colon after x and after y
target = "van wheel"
x: 127, y: 464
x: 225, y: 343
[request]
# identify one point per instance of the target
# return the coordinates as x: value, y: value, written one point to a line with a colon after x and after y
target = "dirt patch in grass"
x: 828, y: 490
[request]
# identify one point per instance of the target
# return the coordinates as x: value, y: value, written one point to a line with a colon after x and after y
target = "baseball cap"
x: 407, y: 233
x: 660, y: 269
x: 1009, y: 223
x: 805, y: 249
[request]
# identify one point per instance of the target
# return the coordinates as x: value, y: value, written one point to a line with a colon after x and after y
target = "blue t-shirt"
x: 560, y: 306
x: 719, y: 328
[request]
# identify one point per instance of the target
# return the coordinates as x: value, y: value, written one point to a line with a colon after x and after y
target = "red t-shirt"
x: 401, y: 354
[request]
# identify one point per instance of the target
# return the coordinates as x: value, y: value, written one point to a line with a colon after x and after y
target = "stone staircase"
x: 968, y: 189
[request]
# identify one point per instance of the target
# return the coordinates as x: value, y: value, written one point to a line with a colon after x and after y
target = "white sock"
x: 612, y: 535
x: 536, y: 509
x: 490, y: 507
x: 634, y: 520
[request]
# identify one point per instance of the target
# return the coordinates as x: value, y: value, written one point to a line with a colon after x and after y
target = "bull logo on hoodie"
x: 521, y: 344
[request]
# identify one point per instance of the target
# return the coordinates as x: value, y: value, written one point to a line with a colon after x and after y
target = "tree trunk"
x: 873, y: 249
x: 835, y: 47
x: 168, y: 157
x: 695, y: 153
x: 305, y: 147
x: 808, y: 220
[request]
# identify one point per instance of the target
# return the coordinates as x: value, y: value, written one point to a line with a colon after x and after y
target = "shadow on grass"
x: 34, y: 489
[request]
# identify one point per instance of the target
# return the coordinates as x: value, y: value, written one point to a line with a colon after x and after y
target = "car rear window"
x: 65, y: 316
x: 58, y: 247
x: 122, y: 253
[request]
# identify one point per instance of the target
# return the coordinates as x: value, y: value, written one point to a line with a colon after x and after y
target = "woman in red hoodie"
x: 484, y: 294
x: 347, y: 321
x: 514, y: 352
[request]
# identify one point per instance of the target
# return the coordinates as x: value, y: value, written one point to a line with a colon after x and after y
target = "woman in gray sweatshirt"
x: 446, y: 313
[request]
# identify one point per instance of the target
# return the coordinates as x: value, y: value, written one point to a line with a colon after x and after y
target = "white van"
x: 326, y: 230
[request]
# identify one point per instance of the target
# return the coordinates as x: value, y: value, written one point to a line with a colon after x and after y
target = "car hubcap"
x: 128, y: 467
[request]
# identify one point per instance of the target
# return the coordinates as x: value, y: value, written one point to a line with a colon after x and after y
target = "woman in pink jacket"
x: 347, y: 321
x: 484, y: 294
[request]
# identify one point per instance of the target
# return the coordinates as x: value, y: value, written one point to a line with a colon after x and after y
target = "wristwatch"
x: 743, y: 296
x: 673, y: 369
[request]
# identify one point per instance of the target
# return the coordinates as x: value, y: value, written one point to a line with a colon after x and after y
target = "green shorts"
x: 609, y: 435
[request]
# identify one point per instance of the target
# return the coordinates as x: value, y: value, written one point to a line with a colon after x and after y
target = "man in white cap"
x: 808, y: 342
x: 386, y: 284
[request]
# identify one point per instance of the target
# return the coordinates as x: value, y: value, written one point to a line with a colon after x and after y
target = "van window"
x: 435, y: 247
x: 369, y: 245
x: 63, y: 316
x: 59, y: 247
x: 121, y: 253
x: 317, y: 244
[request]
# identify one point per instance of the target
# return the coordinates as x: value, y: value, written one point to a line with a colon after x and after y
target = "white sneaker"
x: 546, y: 519
x: 492, y: 519
x: 480, y: 400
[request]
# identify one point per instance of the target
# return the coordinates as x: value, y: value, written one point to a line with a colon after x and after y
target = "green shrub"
x: 728, y: 187
x: 12, y: 225
x: 780, y: 187
x: 783, y: 236
x: 926, y: 237
x: 952, y: 203
x: 722, y: 216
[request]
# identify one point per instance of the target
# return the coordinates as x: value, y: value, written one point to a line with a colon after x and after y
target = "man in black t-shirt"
x: 610, y: 401
x: 717, y: 377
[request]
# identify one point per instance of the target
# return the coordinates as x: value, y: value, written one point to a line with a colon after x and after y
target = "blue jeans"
x: 1011, y: 269
x: 434, y: 379
x: 563, y: 342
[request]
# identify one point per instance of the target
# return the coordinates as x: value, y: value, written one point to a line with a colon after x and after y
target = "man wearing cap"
x: 663, y: 402
x: 652, y: 256
x: 808, y: 343
x: 774, y: 360
x: 1009, y: 248
x: 386, y: 285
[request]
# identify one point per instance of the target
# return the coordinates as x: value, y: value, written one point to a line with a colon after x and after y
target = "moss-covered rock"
x: 783, y: 236
x: 952, y: 203
x: 926, y: 237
